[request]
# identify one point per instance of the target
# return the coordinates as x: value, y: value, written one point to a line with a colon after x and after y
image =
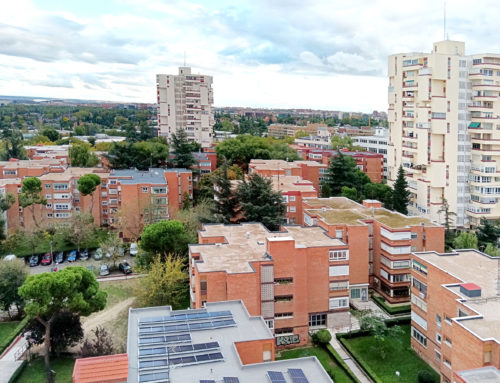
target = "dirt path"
x: 106, y: 315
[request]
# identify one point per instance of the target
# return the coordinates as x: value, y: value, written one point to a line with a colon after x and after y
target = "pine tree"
x: 260, y: 203
x: 226, y: 203
x: 449, y: 235
x: 182, y: 149
x: 343, y: 172
x: 401, y: 195
x: 488, y: 232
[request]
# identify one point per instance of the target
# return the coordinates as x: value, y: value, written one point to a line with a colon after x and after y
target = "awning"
x: 474, y: 125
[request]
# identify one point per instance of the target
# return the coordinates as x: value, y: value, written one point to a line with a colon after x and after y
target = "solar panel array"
x: 276, y: 377
x: 230, y: 379
x: 297, y: 375
x: 166, y: 341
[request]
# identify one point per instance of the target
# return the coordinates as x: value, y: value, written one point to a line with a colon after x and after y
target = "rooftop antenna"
x: 445, y: 35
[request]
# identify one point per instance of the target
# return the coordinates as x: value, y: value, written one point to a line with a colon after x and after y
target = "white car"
x: 134, y: 249
x: 10, y: 257
x: 98, y: 254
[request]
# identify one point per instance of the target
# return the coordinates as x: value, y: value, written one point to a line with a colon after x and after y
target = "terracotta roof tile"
x: 101, y: 369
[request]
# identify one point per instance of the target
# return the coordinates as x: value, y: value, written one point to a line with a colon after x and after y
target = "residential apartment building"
x: 149, y: 196
x: 185, y: 101
x: 444, y: 123
x: 321, y: 140
x: 288, y: 130
x: 383, y: 238
x: 222, y: 342
x: 369, y: 163
x: 294, y: 189
x: 307, y: 170
x: 455, y: 306
x: 297, y: 279
x: 376, y: 143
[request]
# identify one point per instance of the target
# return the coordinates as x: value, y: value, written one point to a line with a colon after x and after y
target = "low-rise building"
x: 101, y: 369
x: 297, y: 279
x: 455, y: 313
x: 221, y: 342
x: 384, y: 238
x: 289, y: 130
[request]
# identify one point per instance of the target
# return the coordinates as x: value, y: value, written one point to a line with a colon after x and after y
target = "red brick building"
x: 297, y: 279
x: 455, y: 313
x: 385, y: 238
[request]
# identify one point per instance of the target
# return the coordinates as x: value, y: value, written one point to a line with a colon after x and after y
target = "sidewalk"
x: 360, y: 374
x: 9, y: 362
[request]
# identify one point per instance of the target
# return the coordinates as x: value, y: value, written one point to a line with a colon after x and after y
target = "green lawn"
x: 6, y: 328
x: 399, y: 357
x: 34, y: 372
x: 119, y: 290
x: 339, y: 375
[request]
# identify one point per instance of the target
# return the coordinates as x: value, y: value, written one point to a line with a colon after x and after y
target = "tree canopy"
x: 260, y: 203
x: 343, y: 172
x: 80, y: 155
x: 87, y: 185
x: 182, y: 150
x: 401, y: 195
x: 6, y: 201
x: 226, y: 203
x: 141, y: 155
x: 12, y: 276
x: 487, y: 233
x: 31, y: 196
x: 165, y: 237
x: 465, y: 241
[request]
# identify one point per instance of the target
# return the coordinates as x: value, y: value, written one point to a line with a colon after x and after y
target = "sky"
x: 320, y: 54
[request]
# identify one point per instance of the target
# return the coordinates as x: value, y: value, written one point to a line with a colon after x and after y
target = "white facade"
x: 376, y: 144
x: 185, y: 101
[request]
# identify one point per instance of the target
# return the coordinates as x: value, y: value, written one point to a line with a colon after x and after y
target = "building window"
x: 335, y: 271
x: 414, y: 235
x: 48, y: 206
x: 339, y: 255
x: 292, y: 209
x: 422, y: 287
x: 338, y: 303
x: 145, y: 189
x: 355, y: 293
x: 317, y: 320
x: 203, y: 287
x: 49, y: 215
x: 438, y: 338
x: 341, y: 285
x: 283, y: 315
x: 283, y: 298
x: 270, y: 323
x: 447, y: 363
x: 438, y: 321
x: 447, y: 341
x: 48, y: 196
x: 339, y: 233
x: 422, y: 269
x: 283, y: 331
x: 283, y: 281
x: 437, y: 355
x: 292, y: 198
x: 418, y: 336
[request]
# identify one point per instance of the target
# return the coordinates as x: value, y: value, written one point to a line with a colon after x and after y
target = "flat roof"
x: 240, y: 327
x: 72, y: 172
x: 29, y: 163
x: 472, y: 266
x: 134, y: 176
x: 292, y: 183
x: 282, y: 164
x: 246, y: 243
x: 489, y: 374
x: 338, y: 210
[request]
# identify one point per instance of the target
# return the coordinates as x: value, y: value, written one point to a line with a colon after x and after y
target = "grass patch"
x: 6, y: 328
x: 9, y: 332
x: 119, y: 290
x: 399, y: 357
x: 329, y: 364
x: 34, y: 372
x: 391, y: 310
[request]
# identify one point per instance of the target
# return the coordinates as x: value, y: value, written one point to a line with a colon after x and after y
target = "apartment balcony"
x: 410, y: 85
x: 407, y: 155
x: 423, y: 125
x: 485, y: 86
x: 483, y: 201
x: 283, y: 288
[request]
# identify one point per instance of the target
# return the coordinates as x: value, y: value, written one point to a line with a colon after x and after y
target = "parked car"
x: 121, y: 251
x: 134, y: 249
x: 125, y: 268
x: 59, y: 258
x: 9, y: 257
x: 34, y: 260
x: 47, y: 259
x: 84, y: 255
x: 98, y: 254
x: 104, y: 270
x: 72, y: 256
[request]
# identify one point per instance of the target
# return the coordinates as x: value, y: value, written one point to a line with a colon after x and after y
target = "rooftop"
x: 71, y: 172
x: 336, y: 210
x: 489, y: 374
x: 472, y: 266
x: 109, y: 368
x: 205, y: 348
x: 281, y: 164
x: 16, y: 164
x: 246, y: 243
x: 292, y: 183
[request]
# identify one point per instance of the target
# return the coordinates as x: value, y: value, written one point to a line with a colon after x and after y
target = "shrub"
x: 322, y: 337
x: 101, y: 345
x: 425, y: 376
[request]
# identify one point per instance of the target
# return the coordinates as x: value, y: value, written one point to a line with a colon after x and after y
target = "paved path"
x: 8, y: 368
x: 360, y: 374
x: 9, y: 362
x: 106, y: 315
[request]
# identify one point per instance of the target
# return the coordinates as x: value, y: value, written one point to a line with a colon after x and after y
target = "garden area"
x: 34, y: 371
x: 391, y: 309
x: 383, y: 358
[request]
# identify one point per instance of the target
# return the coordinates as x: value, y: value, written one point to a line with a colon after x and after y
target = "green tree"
x: 339, y: 142
x: 260, y: 203
x: 487, y: 232
x: 50, y: 133
x: 12, y: 276
x: 87, y: 185
x: 401, y: 195
x: 165, y: 284
x: 425, y: 376
x: 165, y: 237
x: 13, y: 145
x: 102, y: 344
x: 141, y: 155
x: 80, y: 155
x: 380, y: 331
x: 31, y: 196
x: 322, y: 337
x: 449, y: 234
x: 111, y: 247
x: 465, y: 241
x: 6, y: 201
x: 226, y: 203
x: 492, y: 250
x: 80, y: 229
x: 72, y: 289
x: 182, y: 150
x: 350, y: 193
x: 342, y: 171
x: 380, y: 192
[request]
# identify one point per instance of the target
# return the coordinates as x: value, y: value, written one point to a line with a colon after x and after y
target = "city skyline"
x: 287, y: 54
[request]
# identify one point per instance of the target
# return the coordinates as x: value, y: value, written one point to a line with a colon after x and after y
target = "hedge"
x: 4, y: 343
x: 380, y: 302
x: 389, y: 322
x: 18, y: 372
x: 341, y: 363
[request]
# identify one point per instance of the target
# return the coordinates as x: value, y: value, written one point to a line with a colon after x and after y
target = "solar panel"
x: 162, y: 376
x: 276, y: 377
x: 207, y: 381
x: 230, y: 379
x: 297, y: 375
